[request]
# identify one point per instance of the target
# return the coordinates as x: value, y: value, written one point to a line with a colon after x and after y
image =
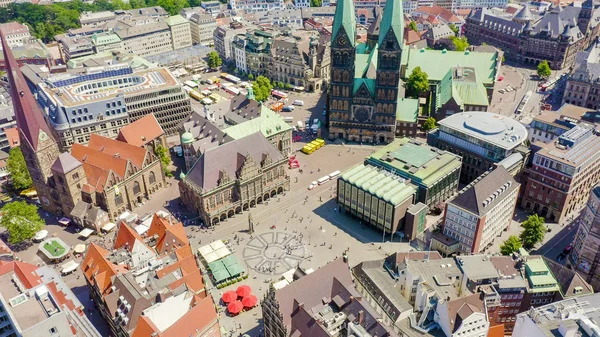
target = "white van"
x: 298, y: 102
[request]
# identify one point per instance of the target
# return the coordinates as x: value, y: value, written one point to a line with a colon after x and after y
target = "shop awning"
x: 69, y: 267
x: 64, y: 221
x: 109, y: 227
x: 86, y: 232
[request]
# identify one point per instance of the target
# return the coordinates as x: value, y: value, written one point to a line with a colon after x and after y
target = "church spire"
x: 30, y: 120
x: 345, y: 17
x: 393, y: 18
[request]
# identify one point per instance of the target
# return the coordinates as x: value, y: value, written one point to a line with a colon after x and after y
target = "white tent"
x: 69, y: 267
x: 216, y: 245
x: 41, y: 235
x: 204, y: 250
x: 80, y: 248
x: 222, y: 252
x: 109, y: 227
x: 210, y: 257
x: 86, y: 232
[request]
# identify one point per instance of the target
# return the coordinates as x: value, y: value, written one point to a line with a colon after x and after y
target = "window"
x: 136, y: 187
x: 53, y: 330
x: 152, y: 178
x: 118, y: 199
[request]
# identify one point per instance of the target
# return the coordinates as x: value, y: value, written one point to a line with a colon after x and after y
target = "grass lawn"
x: 54, y: 248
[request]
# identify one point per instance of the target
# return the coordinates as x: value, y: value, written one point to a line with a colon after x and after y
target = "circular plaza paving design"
x: 274, y: 252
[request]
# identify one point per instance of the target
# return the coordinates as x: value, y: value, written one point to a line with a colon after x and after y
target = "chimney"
x: 361, y: 317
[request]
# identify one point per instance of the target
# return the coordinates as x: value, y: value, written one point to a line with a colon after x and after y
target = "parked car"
x: 298, y: 102
x: 287, y: 108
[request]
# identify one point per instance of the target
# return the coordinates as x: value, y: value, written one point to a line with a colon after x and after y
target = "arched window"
x: 136, y: 187
x: 152, y: 178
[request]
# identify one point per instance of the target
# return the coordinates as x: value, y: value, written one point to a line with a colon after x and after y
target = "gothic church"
x: 365, y: 77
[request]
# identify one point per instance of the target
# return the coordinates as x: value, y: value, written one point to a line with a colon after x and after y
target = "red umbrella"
x: 229, y: 296
x: 249, y: 301
x: 235, y: 307
x: 243, y: 291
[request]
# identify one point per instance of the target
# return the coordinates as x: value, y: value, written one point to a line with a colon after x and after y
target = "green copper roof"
x: 407, y: 110
x: 393, y: 18
x: 187, y: 138
x: 437, y: 62
x: 102, y: 39
x: 269, y: 123
x: 175, y: 20
x: 539, y: 276
x: 345, y: 17
x: 421, y: 163
x: 368, y: 82
x: 381, y: 184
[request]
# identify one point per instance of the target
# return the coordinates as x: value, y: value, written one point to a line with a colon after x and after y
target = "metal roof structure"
x: 380, y: 183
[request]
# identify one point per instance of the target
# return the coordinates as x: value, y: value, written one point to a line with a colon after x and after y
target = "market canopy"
x: 235, y: 270
x: 86, y: 232
x: 64, y: 221
x: 229, y: 260
x: 217, y: 245
x: 213, y: 251
x: 109, y: 226
x: 69, y: 267
x: 221, y: 275
x: 217, y: 265
x: 80, y: 248
x: 41, y: 235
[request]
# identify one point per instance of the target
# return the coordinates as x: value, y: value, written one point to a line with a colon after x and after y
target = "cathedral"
x: 365, y: 77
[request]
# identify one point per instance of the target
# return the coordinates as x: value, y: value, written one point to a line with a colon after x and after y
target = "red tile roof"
x: 438, y: 11
x: 126, y: 237
x: 12, y: 134
x: 496, y: 331
x: 5, y: 250
x: 24, y: 271
x: 170, y: 235
x: 97, y: 269
x: 141, y: 132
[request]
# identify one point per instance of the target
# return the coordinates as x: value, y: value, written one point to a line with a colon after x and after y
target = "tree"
x: 316, y: 3
x: 418, y: 82
x: 262, y: 88
x: 163, y: 154
x: 429, y: 124
x: 21, y: 220
x: 533, y: 232
x: 214, y: 60
x: 460, y: 43
x: 250, y: 76
x: 19, y: 174
x: 413, y: 25
x: 453, y: 28
x: 511, y: 245
x: 543, y: 69
x: 281, y: 85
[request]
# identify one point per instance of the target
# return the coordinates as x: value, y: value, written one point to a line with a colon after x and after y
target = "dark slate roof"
x: 80, y: 209
x: 498, y: 23
x: 553, y: 23
x: 229, y: 158
x: 206, y: 134
x: 587, y: 65
x: 568, y: 279
x: 242, y: 109
x: 374, y: 27
x: 481, y: 192
x: 65, y: 163
x: 524, y: 14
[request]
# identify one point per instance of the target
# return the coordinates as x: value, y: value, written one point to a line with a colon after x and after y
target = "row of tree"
x: 46, y: 21
x: 533, y: 233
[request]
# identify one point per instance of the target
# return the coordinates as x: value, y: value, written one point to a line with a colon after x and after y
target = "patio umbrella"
x: 249, y: 301
x: 243, y: 291
x: 229, y: 296
x: 79, y: 249
x: 235, y: 307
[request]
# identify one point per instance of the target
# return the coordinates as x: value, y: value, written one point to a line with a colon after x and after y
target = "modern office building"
x: 511, y: 287
x: 548, y: 126
x: 231, y: 178
x: 250, y: 6
x: 322, y: 303
x: 202, y: 27
x: 481, y: 211
x: 562, y: 175
x: 15, y: 33
x: 434, y: 172
x: 223, y: 38
x: 91, y: 19
x: 585, y: 254
x: 377, y: 197
x: 482, y: 139
x: 102, y: 100
x: 555, y: 35
x: 35, y: 301
x: 571, y: 317
x: 150, y: 286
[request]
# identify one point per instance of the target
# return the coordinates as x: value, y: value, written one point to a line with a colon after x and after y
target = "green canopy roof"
x: 216, y: 266
x: 221, y: 275
x: 235, y: 269
x: 229, y: 260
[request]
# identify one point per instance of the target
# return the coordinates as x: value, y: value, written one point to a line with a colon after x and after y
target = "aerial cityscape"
x: 299, y: 168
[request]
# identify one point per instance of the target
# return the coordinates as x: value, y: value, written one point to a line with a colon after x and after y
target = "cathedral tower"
x: 37, y: 143
x: 343, y: 55
x: 389, y: 56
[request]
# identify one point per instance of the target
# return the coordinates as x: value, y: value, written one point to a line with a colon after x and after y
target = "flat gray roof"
x: 477, y: 267
x: 499, y: 130
x: 439, y: 274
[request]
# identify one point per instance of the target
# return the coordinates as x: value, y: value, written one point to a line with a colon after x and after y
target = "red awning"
x: 249, y: 301
x: 229, y: 296
x: 235, y: 307
x: 243, y: 291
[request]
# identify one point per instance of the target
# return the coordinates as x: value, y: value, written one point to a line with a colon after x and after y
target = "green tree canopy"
x: 251, y: 76
x: 316, y: 3
x: 429, y: 124
x: 543, y: 69
x: 21, y: 220
x: 418, y: 82
x: 533, y: 232
x: 214, y: 60
x: 19, y: 174
x: 461, y: 43
x: 163, y: 154
x: 262, y: 88
x: 453, y: 28
x: 511, y: 245
x: 413, y: 25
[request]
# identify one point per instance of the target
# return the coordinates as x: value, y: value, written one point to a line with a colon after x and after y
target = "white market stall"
x: 86, y: 232
x: 64, y: 221
x: 69, y: 267
x: 109, y: 227
x: 79, y: 249
x: 40, y: 236
x: 213, y: 251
